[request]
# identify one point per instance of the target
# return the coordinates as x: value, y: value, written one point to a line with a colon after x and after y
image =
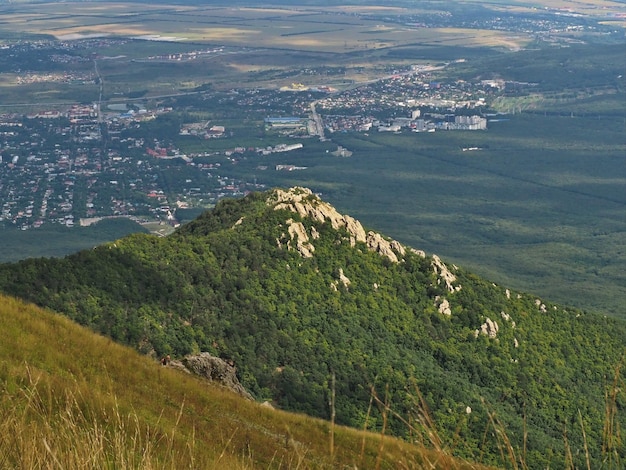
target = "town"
x: 76, y: 164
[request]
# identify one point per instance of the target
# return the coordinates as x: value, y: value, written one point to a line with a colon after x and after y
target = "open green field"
x: 55, y: 240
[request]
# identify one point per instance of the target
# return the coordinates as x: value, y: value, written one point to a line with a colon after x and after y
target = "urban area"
x: 89, y: 161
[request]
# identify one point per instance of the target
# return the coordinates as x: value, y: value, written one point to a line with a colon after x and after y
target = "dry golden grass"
x: 70, y: 399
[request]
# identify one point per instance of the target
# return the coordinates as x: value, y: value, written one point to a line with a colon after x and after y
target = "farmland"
x: 336, y: 30
x: 269, y: 46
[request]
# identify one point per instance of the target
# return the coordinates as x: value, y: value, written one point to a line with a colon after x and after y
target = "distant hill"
x: 295, y: 293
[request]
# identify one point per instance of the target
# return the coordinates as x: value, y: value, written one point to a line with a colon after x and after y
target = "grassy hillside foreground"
x: 71, y: 399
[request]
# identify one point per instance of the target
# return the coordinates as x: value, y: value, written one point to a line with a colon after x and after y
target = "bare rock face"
x: 420, y: 253
x: 298, y: 233
x: 390, y: 249
x: 213, y: 369
x: 344, y: 280
x: 444, y: 306
x: 444, y: 273
x: 302, y: 201
x: 341, y: 278
x: 489, y: 328
x: 506, y: 317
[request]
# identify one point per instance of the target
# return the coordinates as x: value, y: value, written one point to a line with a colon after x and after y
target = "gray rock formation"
x: 344, y: 280
x: 298, y: 233
x: 302, y: 201
x: 390, y: 249
x: 444, y: 273
x: 213, y: 369
x: 443, y: 306
x: 506, y: 317
x: 489, y: 328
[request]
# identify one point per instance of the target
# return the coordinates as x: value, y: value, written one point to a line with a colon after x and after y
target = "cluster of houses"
x: 54, y: 169
x: 202, y: 129
x: 431, y: 123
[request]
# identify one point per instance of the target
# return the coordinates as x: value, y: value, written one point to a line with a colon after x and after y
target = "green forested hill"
x: 294, y: 293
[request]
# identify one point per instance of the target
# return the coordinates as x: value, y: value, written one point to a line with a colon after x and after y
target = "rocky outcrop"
x: 506, y: 317
x: 302, y: 201
x: 443, y: 306
x: 213, y: 369
x: 489, y: 328
x: 342, y: 278
x: 420, y: 253
x: 541, y: 306
x: 388, y: 248
x: 444, y: 274
x: 297, y: 232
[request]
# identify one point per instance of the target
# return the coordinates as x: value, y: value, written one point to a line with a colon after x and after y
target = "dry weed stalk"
x: 611, y: 434
x: 44, y: 429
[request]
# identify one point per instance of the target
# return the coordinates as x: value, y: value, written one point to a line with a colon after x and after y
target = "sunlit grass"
x: 71, y: 399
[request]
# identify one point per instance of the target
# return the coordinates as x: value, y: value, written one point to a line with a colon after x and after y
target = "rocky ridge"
x: 305, y: 203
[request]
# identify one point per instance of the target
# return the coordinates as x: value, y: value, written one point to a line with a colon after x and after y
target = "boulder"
x: 376, y: 242
x: 444, y: 306
x: 213, y: 369
x: 489, y: 328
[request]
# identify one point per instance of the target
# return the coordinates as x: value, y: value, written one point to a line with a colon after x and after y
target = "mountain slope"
x: 72, y: 399
x: 294, y: 293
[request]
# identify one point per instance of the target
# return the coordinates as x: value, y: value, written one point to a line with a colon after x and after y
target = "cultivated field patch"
x: 299, y: 28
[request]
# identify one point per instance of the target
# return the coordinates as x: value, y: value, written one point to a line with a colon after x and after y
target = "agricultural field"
x: 249, y: 46
x: 175, y: 49
x: 336, y: 30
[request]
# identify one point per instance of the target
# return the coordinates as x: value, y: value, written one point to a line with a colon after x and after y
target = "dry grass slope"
x: 71, y: 399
